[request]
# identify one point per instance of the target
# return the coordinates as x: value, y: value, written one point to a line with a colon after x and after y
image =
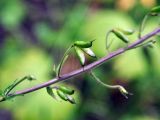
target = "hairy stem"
x: 87, y: 67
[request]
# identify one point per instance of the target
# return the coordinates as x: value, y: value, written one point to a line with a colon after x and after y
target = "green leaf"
x: 89, y: 52
x: 80, y: 55
x: 66, y: 90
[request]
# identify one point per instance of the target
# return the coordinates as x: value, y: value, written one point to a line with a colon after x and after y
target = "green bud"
x: 83, y: 44
x: 30, y: 77
x: 150, y: 45
x: 80, y: 55
x: 62, y: 95
x: 71, y: 99
x: 66, y: 90
x: 89, y: 52
x: 2, y: 98
x: 120, y: 35
x: 124, y: 92
x: 125, y: 31
x: 50, y: 92
x: 155, y: 9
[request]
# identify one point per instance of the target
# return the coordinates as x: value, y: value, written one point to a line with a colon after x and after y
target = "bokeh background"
x: 34, y: 34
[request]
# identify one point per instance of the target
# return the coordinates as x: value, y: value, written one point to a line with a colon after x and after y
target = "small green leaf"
x: 120, y: 35
x: 83, y: 44
x: 50, y: 92
x: 89, y: 52
x: 66, y: 90
x: 62, y: 95
x: 71, y: 99
x: 80, y: 55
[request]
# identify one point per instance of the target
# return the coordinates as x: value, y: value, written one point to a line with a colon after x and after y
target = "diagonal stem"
x: 88, y: 67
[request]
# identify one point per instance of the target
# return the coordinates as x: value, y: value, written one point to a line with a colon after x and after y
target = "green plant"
x: 81, y: 48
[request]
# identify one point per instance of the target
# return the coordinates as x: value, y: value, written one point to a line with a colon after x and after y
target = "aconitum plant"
x: 84, y: 47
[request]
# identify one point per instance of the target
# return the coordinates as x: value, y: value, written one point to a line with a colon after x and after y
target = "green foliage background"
x: 33, y: 37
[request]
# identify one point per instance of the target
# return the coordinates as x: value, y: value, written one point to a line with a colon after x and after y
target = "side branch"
x: 88, y: 67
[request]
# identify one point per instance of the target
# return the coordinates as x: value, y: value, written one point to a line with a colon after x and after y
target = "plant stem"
x: 87, y: 67
x: 65, y: 56
x: 10, y: 88
x: 102, y: 83
x: 143, y: 25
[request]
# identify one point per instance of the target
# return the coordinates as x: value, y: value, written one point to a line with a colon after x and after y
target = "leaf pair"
x: 63, y: 92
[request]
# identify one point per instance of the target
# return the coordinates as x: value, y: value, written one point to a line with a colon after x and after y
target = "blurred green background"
x: 34, y: 34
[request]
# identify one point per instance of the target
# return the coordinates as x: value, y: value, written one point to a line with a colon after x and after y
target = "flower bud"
x: 83, y: 44
x: 120, y: 35
x: 80, y: 55
x: 62, y: 95
x: 66, y: 90
x: 89, y: 52
x: 126, y: 31
x: 71, y: 99
x: 30, y: 77
x: 124, y: 92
